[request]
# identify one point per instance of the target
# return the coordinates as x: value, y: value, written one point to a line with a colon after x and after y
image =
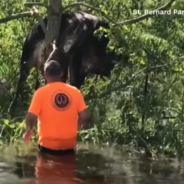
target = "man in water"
x: 60, y: 110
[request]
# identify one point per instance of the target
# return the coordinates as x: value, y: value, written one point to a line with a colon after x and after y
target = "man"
x: 60, y: 109
x: 49, y: 169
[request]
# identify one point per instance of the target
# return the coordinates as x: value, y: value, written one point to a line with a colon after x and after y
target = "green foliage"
x: 142, y: 104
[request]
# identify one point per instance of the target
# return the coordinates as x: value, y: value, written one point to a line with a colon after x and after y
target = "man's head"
x: 53, y: 71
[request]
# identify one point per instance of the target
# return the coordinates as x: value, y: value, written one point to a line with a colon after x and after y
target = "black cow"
x: 79, y: 51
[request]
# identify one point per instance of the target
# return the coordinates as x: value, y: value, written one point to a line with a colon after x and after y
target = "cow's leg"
x: 64, y: 76
x: 78, y: 81
x: 24, y: 72
x: 37, y: 85
x: 76, y: 78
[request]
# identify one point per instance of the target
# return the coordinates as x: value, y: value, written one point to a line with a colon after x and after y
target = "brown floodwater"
x: 91, y: 165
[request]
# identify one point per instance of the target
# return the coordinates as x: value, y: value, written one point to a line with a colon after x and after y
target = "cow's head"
x: 95, y: 58
x: 102, y: 64
x: 95, y: 62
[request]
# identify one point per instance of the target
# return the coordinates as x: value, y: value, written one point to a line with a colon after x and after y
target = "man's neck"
x: 53, y: 81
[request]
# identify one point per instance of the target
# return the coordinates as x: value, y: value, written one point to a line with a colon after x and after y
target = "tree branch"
x: 145, y: 16
x: 131, y: 21
x: 31, y: 4
x: 14, y: 17
x: 25, y: 14
x: 35, y: 13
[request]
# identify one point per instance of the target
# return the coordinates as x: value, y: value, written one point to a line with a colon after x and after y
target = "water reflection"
x: 65, y: 169
x: 94, y: 165
x: 56, y: 170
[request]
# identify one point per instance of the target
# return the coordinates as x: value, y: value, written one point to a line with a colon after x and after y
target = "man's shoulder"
x: 72, y: 87
x: 40, y: 89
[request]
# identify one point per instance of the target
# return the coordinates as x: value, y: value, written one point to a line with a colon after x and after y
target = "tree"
x: 142, y: 103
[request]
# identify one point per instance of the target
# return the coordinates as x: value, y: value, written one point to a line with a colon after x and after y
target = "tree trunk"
x: 54, y: 20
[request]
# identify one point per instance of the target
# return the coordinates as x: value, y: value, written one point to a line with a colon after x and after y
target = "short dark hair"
x: 52, y: 68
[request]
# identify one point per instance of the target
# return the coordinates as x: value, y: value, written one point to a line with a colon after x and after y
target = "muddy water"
x: 90, y: 165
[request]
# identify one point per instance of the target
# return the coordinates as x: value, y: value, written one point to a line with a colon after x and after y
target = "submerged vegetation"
x: 141, y: 105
